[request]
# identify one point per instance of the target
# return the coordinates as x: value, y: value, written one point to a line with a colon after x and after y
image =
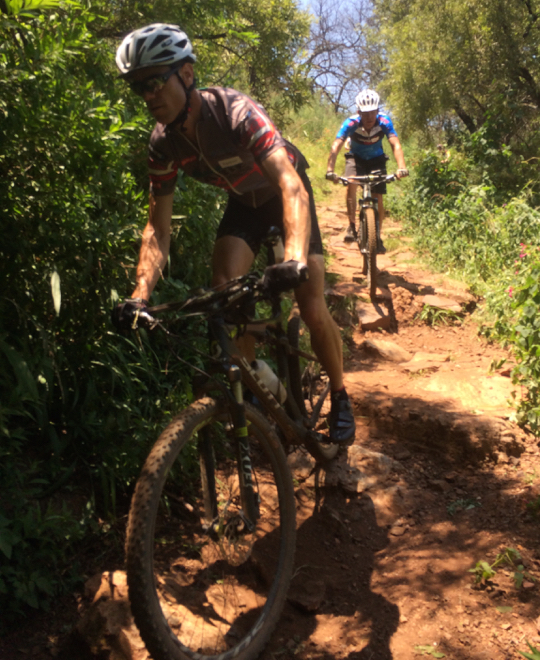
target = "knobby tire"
x: 198, y: 594
x: 371, y: 247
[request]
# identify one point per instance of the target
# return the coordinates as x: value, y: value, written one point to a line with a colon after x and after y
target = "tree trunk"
x: 469, y: 122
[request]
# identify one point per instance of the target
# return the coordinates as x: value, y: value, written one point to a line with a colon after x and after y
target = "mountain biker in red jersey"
x: 366, y: 131
x: 224, y: 138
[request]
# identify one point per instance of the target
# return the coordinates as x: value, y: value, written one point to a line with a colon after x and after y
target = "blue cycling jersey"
x: 366, y: 144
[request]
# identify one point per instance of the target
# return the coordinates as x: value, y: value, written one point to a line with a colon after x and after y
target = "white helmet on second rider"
x: 367, y: 101
x: 154, y: 45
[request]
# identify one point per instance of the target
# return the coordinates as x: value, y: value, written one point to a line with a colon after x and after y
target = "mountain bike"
x: 368, y: 234
x: 211, y: 532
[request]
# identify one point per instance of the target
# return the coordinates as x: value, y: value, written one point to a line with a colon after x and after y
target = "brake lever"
x: 141, y: 318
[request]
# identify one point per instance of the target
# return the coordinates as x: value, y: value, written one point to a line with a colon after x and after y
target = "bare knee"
x: 315, y: 314
x: 232, y: 258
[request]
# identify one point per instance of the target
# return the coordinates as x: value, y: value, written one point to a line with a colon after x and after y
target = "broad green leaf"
x: 25, y: 380
x: 56, y: 292
x: 15, y: 7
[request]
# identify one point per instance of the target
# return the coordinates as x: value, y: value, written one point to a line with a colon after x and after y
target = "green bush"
x: 525, y: 336
x: 79, y: 405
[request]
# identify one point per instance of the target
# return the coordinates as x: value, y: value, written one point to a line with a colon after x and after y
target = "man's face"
x: 163, y: 92
x: 369, y: 119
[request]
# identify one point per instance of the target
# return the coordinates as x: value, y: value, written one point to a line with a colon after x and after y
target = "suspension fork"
x: 250, y: 503
x: 248, y: 494
x: 221, y: 344
x: 367, y: 201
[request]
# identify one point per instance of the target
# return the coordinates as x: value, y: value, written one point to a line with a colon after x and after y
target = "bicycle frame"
x: 226, y: 359
x: 240, y: 373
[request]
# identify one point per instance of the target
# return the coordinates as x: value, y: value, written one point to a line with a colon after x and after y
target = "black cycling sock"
x: 340, y: 395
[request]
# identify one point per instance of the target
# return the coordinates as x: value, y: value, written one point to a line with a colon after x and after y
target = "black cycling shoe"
x: 380, y: 247
x: 341, y: 421
x: 350, y: 236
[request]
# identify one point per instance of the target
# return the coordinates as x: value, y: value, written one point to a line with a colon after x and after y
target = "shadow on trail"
x: 441, y: 425
x: 467, y: 482
x: 387, y: 586
x: 336, y: 547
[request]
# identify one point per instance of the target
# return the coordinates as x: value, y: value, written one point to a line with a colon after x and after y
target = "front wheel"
x: 204, y: 582
x: 370, y: 250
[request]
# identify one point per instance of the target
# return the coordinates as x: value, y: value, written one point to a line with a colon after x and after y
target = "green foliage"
x: 483, y: 571
x: 245, y: 44
x: 80, y: 405
x: 525, y: 295
x: 534, y: 506
x: 461, y: 505
x: 535, y: 655
x: 26, y: 7
x: 35, y: 564
x: 470, y: 58
x: 437, y: 316
x: 312, y: 129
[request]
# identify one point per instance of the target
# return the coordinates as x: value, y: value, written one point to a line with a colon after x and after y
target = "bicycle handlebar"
x: 372, y: 179
x: 230, y: 298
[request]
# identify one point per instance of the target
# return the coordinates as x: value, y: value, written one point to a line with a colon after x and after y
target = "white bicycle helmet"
x: 367, y: 101
x: 153, y: 45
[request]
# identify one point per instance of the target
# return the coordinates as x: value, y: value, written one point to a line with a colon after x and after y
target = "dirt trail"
x: 438, y: 479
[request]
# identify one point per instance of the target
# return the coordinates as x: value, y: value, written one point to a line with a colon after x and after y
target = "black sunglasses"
x: 152, y: 84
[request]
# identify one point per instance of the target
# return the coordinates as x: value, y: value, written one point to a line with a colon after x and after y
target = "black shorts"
x: 252, y: 224
x: 355, y: 166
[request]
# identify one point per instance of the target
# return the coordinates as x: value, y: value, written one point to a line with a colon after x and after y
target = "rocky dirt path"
x: 437, y: 480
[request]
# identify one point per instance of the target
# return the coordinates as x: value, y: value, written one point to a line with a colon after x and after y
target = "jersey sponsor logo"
x: 230, y: 162
x: 362, y: 138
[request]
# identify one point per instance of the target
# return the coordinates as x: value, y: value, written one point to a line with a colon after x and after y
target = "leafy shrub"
x: 525, y: 336
x: 79, y: 405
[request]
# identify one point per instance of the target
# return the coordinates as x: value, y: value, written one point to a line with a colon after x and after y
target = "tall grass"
x: 312, y: 130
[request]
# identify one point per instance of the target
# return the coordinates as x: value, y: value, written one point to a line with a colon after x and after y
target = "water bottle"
x: 279, y: 251
x: 270, y: 379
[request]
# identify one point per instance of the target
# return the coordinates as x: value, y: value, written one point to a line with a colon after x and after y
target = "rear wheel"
x: 311, y: 390
x: 295, y: 371
x: 202, y: 582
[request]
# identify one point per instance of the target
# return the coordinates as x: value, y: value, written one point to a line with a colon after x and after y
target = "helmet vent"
x: 163, y: 54
x: 159, y: 38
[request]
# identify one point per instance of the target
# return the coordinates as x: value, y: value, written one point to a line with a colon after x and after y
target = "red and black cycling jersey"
x: 234, y: 136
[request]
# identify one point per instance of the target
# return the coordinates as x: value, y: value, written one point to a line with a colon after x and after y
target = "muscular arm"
x: 156, y: 239
x: 296, y: 218
x: 397, y: 151
x: 336, y: 148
